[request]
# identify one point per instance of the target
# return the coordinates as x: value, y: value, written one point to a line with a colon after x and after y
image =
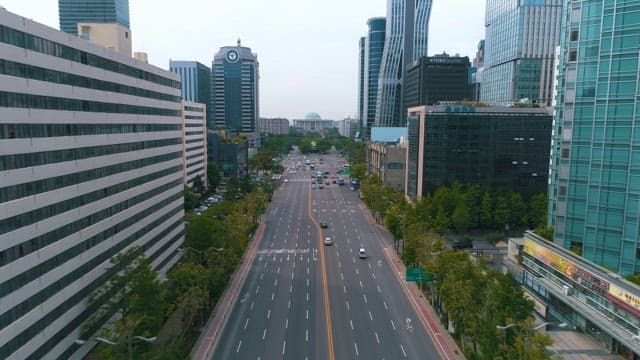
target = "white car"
x: 362, y: 253
x: 286, y: 180
x: 328, y: 241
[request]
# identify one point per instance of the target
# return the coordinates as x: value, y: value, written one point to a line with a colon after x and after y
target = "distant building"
x: 386, y: 160
x: 437, y: 78
x: 476, y: 72
x: 113, y: 35
x: 275, y: 126
x: 195, y: 142
x: 520, y: 39
x: 348, y: 127
x: 234, y: 89
x: 196, y: 83
x: 371, y: 57
x: 72, y: 12
x: 499, y: 147
x: 90, y: 166
x: 312, y: 123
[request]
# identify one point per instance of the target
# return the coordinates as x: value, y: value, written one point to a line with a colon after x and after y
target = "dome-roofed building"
x: 312, y: 116
x: 312, y: 122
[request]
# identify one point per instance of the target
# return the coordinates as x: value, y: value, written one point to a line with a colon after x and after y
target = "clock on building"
x: 232, y: 56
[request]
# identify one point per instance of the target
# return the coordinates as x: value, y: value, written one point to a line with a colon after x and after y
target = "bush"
x: 494, y: 237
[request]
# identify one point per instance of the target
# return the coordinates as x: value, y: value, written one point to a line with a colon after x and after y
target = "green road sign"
x: 418, y: 275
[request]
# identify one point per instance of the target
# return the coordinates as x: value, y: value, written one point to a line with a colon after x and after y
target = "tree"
x: 486, y: 210
x: 461, y: 219
x: 190, y: 199
x: 501, y: 212
x: 357, y: 171
x: 518, y: 211
x: 213, y: 174
x: 198, y: 185
x: 538, y: 210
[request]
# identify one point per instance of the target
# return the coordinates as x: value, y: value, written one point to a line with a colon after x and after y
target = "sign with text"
x: 417, y: 275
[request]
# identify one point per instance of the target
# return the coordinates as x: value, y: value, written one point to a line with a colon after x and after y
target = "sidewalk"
x: 211, y: 334
x: 573, y: 345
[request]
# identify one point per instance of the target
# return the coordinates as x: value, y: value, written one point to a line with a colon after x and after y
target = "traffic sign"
x: 418, y: 275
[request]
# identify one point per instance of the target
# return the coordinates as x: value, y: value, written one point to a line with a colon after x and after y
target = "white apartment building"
x: 194, y: 118
x: 91, y: 164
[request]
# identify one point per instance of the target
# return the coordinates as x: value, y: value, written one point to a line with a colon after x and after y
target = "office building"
x: 361, y: 74
x: 432, y: 79
x: 405, y: 42
x: 112, y: 35
x: 348, y: 127
x: 234, y: 89
x: 520, y: 39
x: 195, y: 143
x: 370, y: 72
x: 386, y: 160
x: 275, y: 126
x: 90, y: 166
x: 476, y: 73
x: 500, y: 147
x: 595, y: 175
x: 196, y: 83
x: 72, y: 12
x: 230, y: 153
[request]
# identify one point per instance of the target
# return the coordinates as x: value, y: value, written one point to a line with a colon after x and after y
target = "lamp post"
x: 130, y: 341
x: 526, y: 336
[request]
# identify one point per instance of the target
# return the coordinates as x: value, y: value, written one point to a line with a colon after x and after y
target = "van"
x: 362, y: 253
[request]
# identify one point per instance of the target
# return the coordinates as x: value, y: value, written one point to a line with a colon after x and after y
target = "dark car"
x: 323, y: 224
x: 460, y: 245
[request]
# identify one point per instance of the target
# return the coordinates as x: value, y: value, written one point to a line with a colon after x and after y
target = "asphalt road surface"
x: 306, y: 300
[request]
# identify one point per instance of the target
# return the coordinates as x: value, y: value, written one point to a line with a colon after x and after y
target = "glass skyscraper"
x: 234, y: 88
x: 374, y: 46
x: 196, y: 83
x: 72, y: 12
x: 405, y: 42
x: 521, y: 36
x: 595, y: 172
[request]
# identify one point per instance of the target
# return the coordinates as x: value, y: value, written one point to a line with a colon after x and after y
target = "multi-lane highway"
x: 306, y: 300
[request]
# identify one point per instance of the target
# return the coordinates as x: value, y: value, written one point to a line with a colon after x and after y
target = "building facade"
x: 503, y: 148
x: 361, y: 74
x: 72, y: 12
x: 275, y: 126
x: 112, y: 35
x: 373, y: 49
x: 234, y: 89
x: 196, y: 83
x: 386, y: 161
x: 90, y: 166
x: 230, y: 154
x: 595, y: 175
x: 405, y: 42
x: 521, y: 37
x: 194, y: 142
x: 347, y: 127
x: 437, y: 78
x: 312, y: 125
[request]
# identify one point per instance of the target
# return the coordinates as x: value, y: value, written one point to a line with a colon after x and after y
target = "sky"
x: 307, y: 49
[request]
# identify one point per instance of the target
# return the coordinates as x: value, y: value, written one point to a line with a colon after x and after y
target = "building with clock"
x: 234, y: 91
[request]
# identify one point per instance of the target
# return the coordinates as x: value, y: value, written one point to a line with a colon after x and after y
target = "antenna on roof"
x: 238, y: 42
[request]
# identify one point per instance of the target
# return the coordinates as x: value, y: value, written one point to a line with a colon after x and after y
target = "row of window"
x: 17, y: 69
x: 199, y: 147
x: 188, y: 133
x: 30, y: 42
x: 40, y: 186
x: 28, y: 101
x: 201, y: 168
x: 199, y: 125
x: 18, y: 161
x: 195, y: 109
x: 39, y: 242
x: 31, y: 217
x: 190, y: 141
x: 197, y: 155
x: 28, y: 334
x: 27, y: 131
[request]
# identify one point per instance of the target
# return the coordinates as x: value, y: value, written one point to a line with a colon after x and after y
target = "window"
x: 573, y: 55
x: 562, y: 190
x: 573, y: 36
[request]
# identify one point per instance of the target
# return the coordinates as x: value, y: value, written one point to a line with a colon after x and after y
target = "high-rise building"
x: 361, y: 74
x: 373, y: 49
x: 91, y: 166
x: 196, y: 83
x: 521, y: 37
x: 437, y: 78
x: 72, y: 12
x: 234, y: 89
x: 476, y: 72
x: 595, y: 172
x: 195, y: 143
x: 405, y: 42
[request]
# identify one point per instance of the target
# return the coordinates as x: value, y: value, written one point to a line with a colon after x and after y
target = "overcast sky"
x: 307, y: 49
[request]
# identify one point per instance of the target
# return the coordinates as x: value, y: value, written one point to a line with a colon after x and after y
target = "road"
x: 305, y: 300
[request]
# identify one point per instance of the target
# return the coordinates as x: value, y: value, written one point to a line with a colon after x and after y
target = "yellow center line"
x: 325, y: 291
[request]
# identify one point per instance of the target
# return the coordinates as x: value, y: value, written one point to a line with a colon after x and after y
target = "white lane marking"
x: 337, y: 253
x: 378, y: 286
x: 344, y: 288
x: 361, y: 284
x: 307, y: 282
x: 246, y: 322
x: 292, y: 273
x: 370, y: 316
x: 269, y: 314
x: 290, y: 288
x: 265, y: 265
x: 353, y: 259
x: 369, y: 265
x: 261, y: 276
x: 403, y: 352
x: 357, y: 271
x: 385, y: 305
x: 275, y: 283
x: 365, y: 298
x: 273, y: 295
x: 393, y: 325
x: 377, y: 338
x: 238, y: 348
x: 339, y: 264
x: 373, y: 275
x: 351, y: 323
x: 286, y: 324
x: 348, y: 307
x: 307, y: 270
x: 289, y: 305
x: 257, y: 289
x: 307, y: 314
x: 252, y: 306
x: 278, y: 272
x: 307, y: 296
x: 306, y: 335
x: 284, y: 346
x: 341, y: 277
x: 356, y: 346
x: 351, y: 250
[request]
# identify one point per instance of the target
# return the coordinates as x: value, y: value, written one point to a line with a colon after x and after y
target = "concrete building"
x: 405, y: 42
x: 386, y: 160
x: 196, y: 83
x: 72, y: 12
x: 520, y: 39
x: 432, y: 79
x: 195, y: 142
x: 498, y: 147
x: 348, y: 127
x: 595, y: 173
x: 312, y: 123
x: 113, y: 36
x: 371, y: 58
x: 90, y: 166
x: 234, y: 90
x: 276, y: 126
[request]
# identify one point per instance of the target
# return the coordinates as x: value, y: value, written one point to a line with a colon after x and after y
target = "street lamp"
x: 113, y: 343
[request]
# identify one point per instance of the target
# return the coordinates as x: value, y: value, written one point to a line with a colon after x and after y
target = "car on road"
x: 320, y: 186
x: 362, y: 253
x: 313, y: 186
x: 328, y: 241
x: 323, y: 224
x: 460, y: 245
x: 286, y: 180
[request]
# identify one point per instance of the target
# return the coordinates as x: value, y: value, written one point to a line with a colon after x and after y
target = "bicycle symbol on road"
x: 409, y: 326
